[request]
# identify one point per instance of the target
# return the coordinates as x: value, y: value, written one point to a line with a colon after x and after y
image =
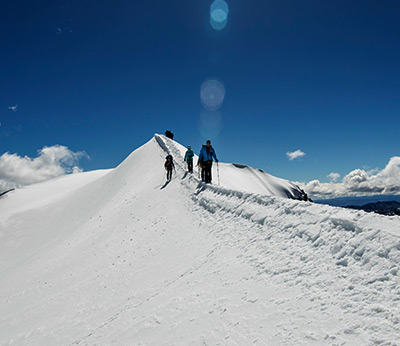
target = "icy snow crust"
x: 121, y: 258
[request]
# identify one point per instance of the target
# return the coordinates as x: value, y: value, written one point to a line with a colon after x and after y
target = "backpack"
x: 169, y: 162
x: 189, y: 155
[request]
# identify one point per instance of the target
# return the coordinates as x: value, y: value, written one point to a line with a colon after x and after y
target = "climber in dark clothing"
x: 169, y: 166
x: 169, y: 134
x: 206, y: 156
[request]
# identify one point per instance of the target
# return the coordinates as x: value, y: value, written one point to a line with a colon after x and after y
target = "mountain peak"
x: 122, y: 257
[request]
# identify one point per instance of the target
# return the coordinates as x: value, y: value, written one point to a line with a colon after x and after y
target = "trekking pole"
x: 218, y: 172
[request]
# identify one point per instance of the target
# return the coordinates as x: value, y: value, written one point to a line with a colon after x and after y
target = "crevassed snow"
x: 125, y: 259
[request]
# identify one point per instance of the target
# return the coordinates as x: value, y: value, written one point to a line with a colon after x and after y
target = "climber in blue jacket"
x: 189, y: 159
x: 206, y: 156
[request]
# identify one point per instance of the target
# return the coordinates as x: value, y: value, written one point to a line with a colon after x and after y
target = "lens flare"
x: 210, y: 124
x: 212, y: 94
x: 219, y: 14
x: 214, y: 57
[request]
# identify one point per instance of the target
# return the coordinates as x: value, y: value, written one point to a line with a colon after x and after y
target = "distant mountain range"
x: 385, y: 208
x: 358, y: 201
x: 381, y: 204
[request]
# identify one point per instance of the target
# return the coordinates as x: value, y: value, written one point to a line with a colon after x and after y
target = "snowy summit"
x: 120, y: 257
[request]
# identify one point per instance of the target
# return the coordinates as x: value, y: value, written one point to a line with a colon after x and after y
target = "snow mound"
x: 121, y: 257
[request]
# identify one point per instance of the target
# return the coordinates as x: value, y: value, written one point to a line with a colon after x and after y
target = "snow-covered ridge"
x: 119, y: 257
x: 362, y: 251
x: 239, y: 177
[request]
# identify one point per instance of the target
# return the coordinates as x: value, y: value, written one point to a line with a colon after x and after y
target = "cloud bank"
x: 358, y: 182
x: 51, y: 162
x: 295, y: 154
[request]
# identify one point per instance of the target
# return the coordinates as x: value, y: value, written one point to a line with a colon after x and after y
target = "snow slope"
x: 120, y: 257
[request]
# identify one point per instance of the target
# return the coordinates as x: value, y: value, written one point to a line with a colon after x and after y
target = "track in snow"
x: 345, y: 263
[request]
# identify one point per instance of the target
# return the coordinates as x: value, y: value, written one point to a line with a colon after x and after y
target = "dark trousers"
x: 169, y: 173
x: 206, y: 171
x: 190, y: 166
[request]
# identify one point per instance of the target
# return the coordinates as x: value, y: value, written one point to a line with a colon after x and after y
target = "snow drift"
x: 119, y: 257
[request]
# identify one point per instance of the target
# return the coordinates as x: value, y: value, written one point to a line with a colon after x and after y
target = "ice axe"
x: 198, y: 169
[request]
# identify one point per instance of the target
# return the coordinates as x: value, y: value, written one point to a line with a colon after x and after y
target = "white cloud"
x: 333, y: 177
x: 76, y: 169
x: 13, y: 108
x: 295, y: 154
x: 51, y: 162
x: 359, y: 182
x: 61, y: 31
x: 316, y: 189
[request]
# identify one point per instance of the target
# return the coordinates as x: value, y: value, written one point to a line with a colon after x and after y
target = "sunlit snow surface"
x: 119, y: 257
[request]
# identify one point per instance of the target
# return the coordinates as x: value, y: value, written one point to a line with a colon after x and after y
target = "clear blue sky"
x: 104, y: 76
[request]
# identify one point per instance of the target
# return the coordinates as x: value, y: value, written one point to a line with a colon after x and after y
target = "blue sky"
x: 102, y: 77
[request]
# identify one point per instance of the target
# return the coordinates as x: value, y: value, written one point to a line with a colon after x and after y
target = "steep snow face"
x: 245, y: 178
x: 121, y: 257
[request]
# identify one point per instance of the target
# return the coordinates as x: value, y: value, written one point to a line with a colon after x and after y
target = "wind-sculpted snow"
x: 120, y: 258
x: 339, y: 257
x: 249, y: 179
